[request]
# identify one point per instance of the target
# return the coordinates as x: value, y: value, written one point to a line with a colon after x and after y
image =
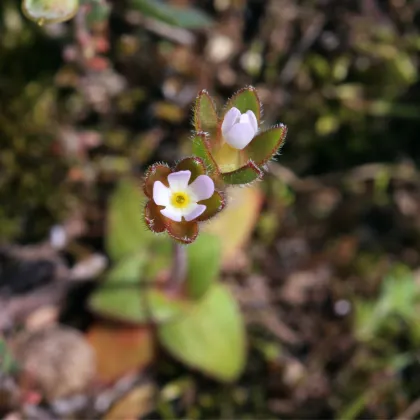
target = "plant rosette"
x: 180, y: 198
x: 232, y: 145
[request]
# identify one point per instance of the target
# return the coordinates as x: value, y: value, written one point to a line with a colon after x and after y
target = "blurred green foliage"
x: 204, y: 328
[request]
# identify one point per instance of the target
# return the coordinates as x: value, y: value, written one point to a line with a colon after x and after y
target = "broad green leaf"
x: 211, y: 337
x: 204, y: 257
x: 126, y: 231
x: 266, y: 144
x: 245, y: 99
x: 125, y: 297
x: 243, y: 176
x: 236, y: 222
x: 49, y: 11
x: 205, y: 115
x: 185, y: 17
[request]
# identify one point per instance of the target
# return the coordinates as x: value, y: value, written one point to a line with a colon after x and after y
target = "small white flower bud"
x: 239, y: 129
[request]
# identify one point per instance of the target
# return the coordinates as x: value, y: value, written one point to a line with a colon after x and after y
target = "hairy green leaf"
x: 266, y: 144
x: 245, y: 99
x: 244, y: 175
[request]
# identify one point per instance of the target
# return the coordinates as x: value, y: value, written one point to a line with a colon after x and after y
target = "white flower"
x: 239, y: 129
x: 180, y: 199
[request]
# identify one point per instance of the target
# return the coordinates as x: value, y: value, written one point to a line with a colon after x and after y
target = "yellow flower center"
x: 180, y: 200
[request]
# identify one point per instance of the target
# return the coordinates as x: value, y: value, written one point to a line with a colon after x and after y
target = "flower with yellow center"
x: 181, y: 199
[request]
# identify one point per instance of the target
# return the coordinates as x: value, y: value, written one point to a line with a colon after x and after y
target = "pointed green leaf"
x: 185, y: 17
x: 245, y: 99
x: 203, y: 264
x: 201, y: 149
x: 266, y: 144
x: 124, y: 297
x: 126, y: 232
x: 205, y: 115
x: 211, y: 337
x: 244, y: 175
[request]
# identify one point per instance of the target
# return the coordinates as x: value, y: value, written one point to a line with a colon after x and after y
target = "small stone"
x: 57, y: 361
x: 58, y: 237
x: 342, y: 307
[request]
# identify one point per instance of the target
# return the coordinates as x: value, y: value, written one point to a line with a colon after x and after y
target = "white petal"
x: 172, y: 213
x: 178, y: 181
x: 195, y: 211
x: 161, y: 194
x: 202, y: 188
x: 230, y: 119
x: 253, y: 120
x: 240, y: 135
x: 244, y: 119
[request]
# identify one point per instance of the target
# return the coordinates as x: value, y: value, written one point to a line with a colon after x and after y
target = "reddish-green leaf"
x: 153, y: 217
x: 184, y: 232
x: 242, y: 176
x: 156, y: 172
x: 205, y: 115
x: 266, y: 144
x: 193, y: 164
x: 214, y: 205
x: 245, y: 99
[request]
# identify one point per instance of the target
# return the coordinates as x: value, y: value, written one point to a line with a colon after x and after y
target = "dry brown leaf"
x: 120, y: 349
x: 235, y: 224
